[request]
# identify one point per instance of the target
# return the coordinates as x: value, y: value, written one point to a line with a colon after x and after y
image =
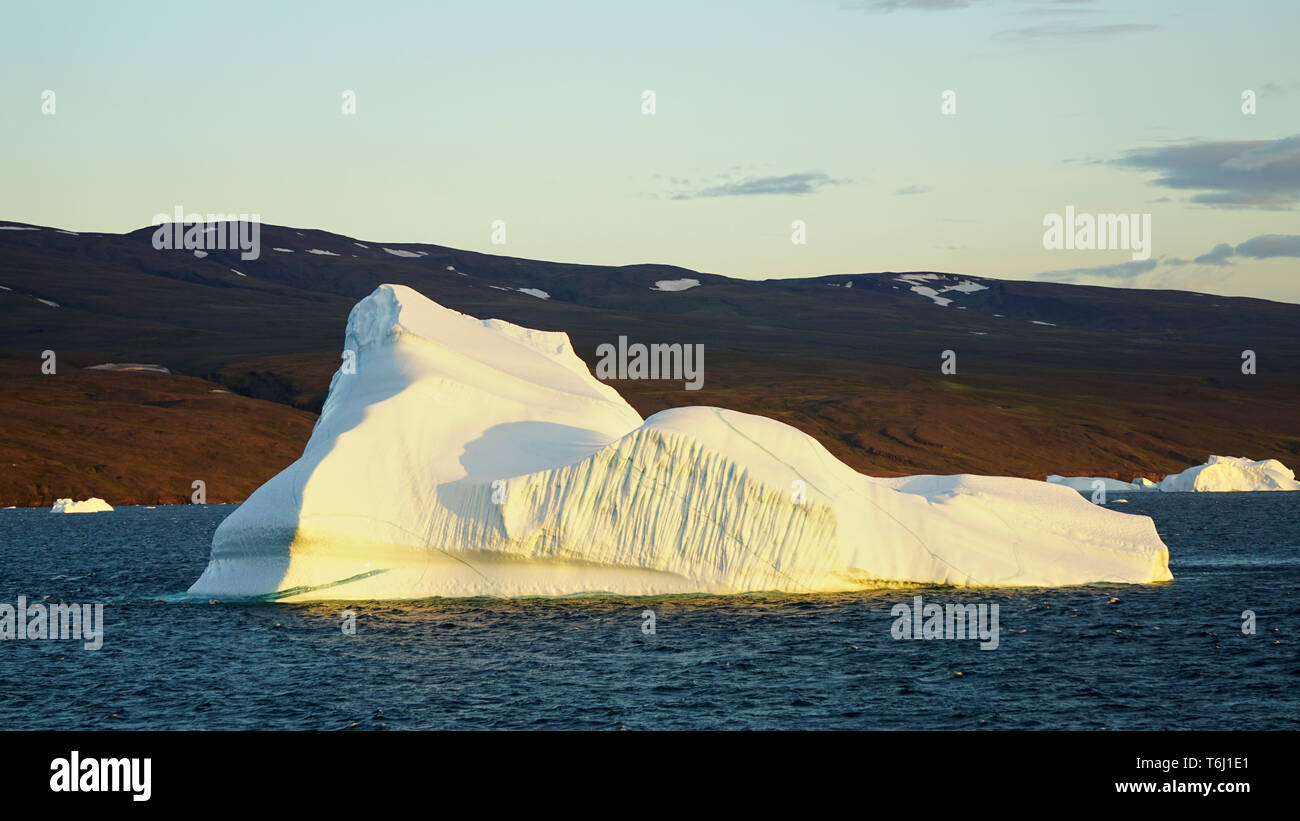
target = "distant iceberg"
x: 1230, y: 473
x: 466, y: 457
x: 92, y: 505
x: 1221, y: 474
x: 1085, y: 484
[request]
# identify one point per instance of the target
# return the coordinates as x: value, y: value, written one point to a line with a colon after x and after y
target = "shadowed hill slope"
x: 1050, y: 378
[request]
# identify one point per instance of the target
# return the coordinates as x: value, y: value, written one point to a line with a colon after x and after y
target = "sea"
x: 1214, y: 649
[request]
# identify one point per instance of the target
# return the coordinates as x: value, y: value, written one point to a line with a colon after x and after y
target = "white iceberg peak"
x: 466, y: 457
x: 1230, y: 473
x: 92, y: 505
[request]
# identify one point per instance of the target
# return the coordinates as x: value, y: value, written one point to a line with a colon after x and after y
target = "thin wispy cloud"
x: 807, y: 182
x: 1264, y: 246
x: 909, y: 5
x: 1078, y: 31
x: 1237, y: 174
x: 1059, y: 7
x: 1121, y: 270
x: 1218, y: 255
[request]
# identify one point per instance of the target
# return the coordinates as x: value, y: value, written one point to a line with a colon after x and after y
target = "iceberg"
x: 1084, y: 484
x: 464, y: 457
x: 1220, y: 474
x: 92, y: 505
x: 1230, y: 473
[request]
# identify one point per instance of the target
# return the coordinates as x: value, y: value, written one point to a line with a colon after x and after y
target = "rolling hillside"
x: 1050, y: 378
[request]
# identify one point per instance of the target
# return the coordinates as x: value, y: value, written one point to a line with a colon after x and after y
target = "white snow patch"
x: 675, y: 284
x: 241, y: 273
x: 941, y: 301
x: 200, y: 254
x: 47, y: 302
x: 283, y: 250
x: 1048, y: 324
x: 17, y: 228
x: 321, y: 253
x: 963, y: 286
x: 92, y: 505
x: 397, y: 252
x: 359, y: 245
x: 470, y: 457
x: 537, y: 292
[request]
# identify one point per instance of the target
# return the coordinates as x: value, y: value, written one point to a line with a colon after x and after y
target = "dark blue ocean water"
x: 1156, y: 657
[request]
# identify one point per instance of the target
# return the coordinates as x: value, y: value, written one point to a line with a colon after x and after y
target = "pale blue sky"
x: 531, y: 113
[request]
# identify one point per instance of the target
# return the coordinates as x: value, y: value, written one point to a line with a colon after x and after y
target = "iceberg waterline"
x: 465, y: 457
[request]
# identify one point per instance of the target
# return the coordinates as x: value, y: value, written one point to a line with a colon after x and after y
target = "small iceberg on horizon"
x: 463, y: 457
x: 1221, y: 474
x: 92, y: 505
x: 1086, y: 484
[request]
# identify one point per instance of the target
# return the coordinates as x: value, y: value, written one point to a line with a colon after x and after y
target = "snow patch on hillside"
x: 675, y: 284
x: 916, y: 283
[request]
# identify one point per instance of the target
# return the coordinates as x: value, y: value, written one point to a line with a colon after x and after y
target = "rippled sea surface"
x: 1162, y: 656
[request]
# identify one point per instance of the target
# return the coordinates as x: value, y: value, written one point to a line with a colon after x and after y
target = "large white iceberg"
x: 1231, y: 473
x: 465, y: 457
x: 92, y: 505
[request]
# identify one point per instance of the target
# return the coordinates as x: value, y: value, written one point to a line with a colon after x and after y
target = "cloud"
x: 807, y: 182
x: 1231, y: 174
x: 1122, y: 270
x: 1060, y: 7
x: 1078, y: 30
x: 1264, y: 246
x: 910, y: 5
x: 914, y: 189
x: 1218, y: 255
